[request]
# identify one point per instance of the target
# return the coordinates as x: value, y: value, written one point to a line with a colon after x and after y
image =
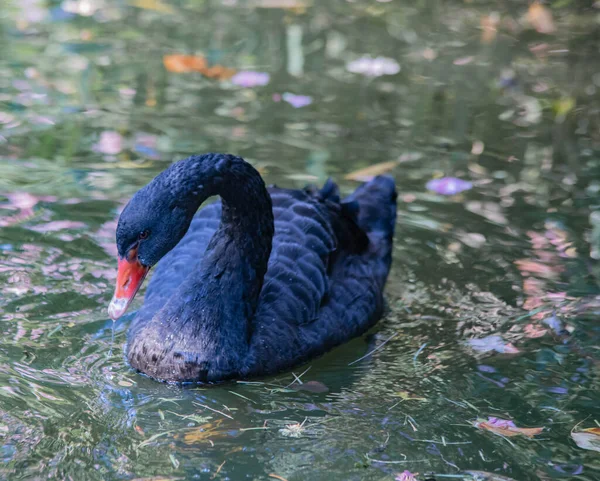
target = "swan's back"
x: 325, y: 280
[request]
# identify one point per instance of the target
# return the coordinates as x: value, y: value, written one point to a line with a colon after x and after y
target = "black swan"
x: 254, y: 284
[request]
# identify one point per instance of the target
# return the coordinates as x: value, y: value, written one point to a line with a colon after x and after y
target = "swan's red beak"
x: 130, y: 277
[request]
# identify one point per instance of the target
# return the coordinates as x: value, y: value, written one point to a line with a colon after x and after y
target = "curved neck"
x: 244, y: 238
x: 223, y: 295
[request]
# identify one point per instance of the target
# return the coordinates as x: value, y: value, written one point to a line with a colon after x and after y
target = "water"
x: 89, y: 114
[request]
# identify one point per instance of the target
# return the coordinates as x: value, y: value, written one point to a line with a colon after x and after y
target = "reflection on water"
x: 494, y: 297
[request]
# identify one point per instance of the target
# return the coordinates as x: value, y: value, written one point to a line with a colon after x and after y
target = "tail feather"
x: 376, y: 206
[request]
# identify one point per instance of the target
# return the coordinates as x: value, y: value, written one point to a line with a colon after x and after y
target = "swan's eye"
x: 143, y: 235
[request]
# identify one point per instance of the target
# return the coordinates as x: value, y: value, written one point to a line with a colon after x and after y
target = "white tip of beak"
x: 117, y: 307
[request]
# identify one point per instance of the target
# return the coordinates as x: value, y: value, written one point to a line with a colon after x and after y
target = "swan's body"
x: 261, y: 281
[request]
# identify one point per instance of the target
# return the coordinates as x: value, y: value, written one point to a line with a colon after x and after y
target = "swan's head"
x: 152, y: 223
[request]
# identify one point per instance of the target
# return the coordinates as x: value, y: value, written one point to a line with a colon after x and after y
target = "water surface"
x: 494, y: 296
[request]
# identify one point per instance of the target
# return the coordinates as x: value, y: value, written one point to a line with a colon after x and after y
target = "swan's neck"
x: 217, y: 302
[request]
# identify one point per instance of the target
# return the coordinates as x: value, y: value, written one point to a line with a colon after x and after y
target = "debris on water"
x: 250, y: 78
x: 558, y: 390
x: 374, y: 67
x: 587, y: 439
x: 405, y: 476
x: 594, y: 237
x: 310, y: 386
x: 204, y: 432
x: 295, y: 430
x: 276, y: 476
x: 485, y: 476
x: 463, y: 60
x: 505, y: 427
x: 296, y: 101
x: 554, y: 323
x: 492, y: 343
x: 449, y: 185
x: 110, y: 143
x: 540, y: 18
x: 368, y: 173
x: 158, y: 478
x: 477, y: 147
x: 174, y: 461
x: 218, y: 470
x: 533, y: 331
x: 408, y: 396
x: 568, y: 469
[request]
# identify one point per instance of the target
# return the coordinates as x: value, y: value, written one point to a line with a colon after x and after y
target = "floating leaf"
x: 405, y: 476
x: 489, y: 27
x: 368, y: 173
x: 492, y: 343
x: 184, y: 63
x: 374, y: 67
x: 449, y: 185
x: 588, y: 439
x: 407, y: 396
x: 504, y: 427
x: 310, y: 386
x: 110, y: 143
x: 478, y: 147
x: 540, y: 18
x: 276, y: 476
x: 218, y: 72
x: 158, y: 478
x: 294, y: 5
x: 563, y: 106
x: 204, y: 433
x: 303, y: 177
x: 174, y: 461
x: 485, y: 476
x: 296, y: 101
x: 178, y: 63
x: 463, y: 60
x: 155, y: 5
x: 534, y: 331
x: 250, y: 78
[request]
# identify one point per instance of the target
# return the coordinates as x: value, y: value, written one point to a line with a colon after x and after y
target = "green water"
x: 89, y: 114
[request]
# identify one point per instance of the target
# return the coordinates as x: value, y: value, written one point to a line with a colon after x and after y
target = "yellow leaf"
x: 155, y: 5
x: 563, y: 106
x: 407, y: 396
x: 366, y: 174
x: 540, y: 18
